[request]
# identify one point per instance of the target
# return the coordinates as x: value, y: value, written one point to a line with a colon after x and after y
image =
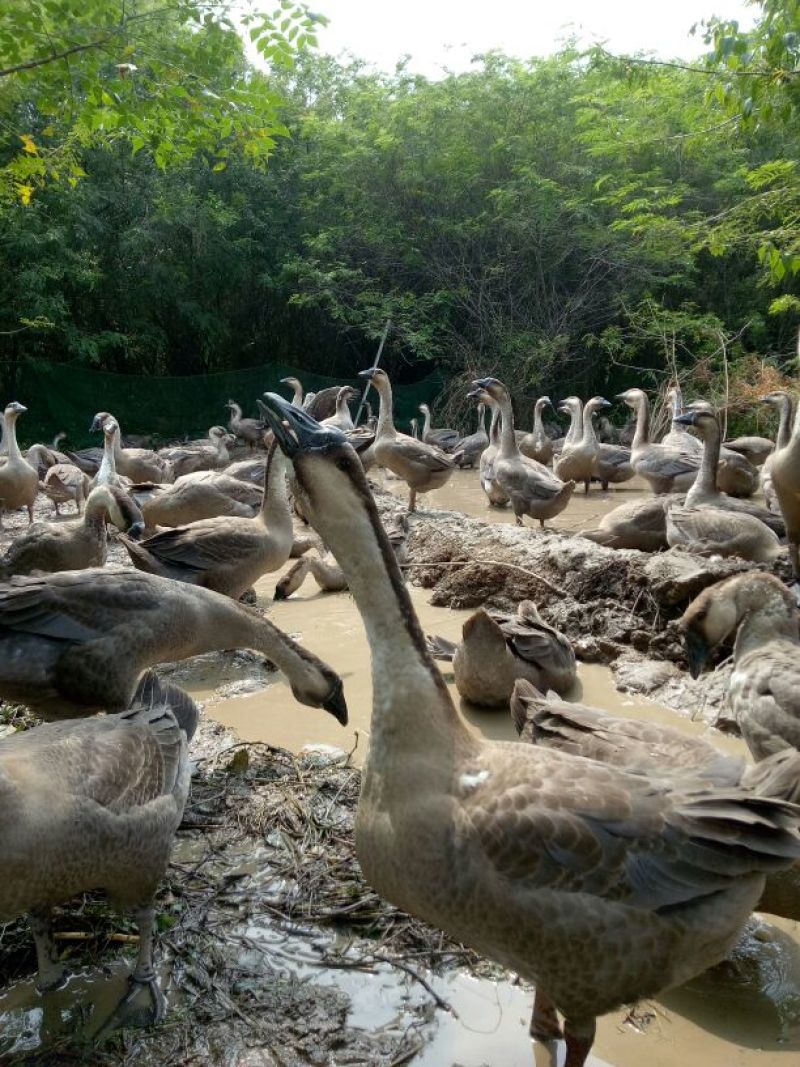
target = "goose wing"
x: 428, y: 456
x: 765, y: 693
x: 666, y: 462
x: 549, y: 820
x: 205, y: 544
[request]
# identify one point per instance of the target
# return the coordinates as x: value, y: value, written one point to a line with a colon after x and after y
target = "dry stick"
x: 490, y: 563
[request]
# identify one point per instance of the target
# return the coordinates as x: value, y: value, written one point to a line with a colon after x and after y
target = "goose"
x: 641, y: 746
x: 327, y: 574
x: 784, y: 471
x: 638, y: 524
x: 208, y: 455
x: 765, y: 685
x: 247, y: 470
x: 76, y: 642
x: 64, y: 482
x: 19, y: 480
x: 600, y: 886
x: 197, y: 496
x: 70, y: 546
x: 414, y: 425
x: 735, y: 475
x: 445, y: 438
x: 250, y: 431
x: 42, y: 458
x: 784, y: 403
x: 678, y: 435
x: 320, y: 405
x: 342, y: 418
x: 498, y: 648
x: 86, y: 459
x: 107, y: 473
x: 422, y: 467
x: 756, y: 450
x: 226, y: 553
x: 664, y: 468
x: 536, y: 444
x: 472, y: 447
x: 96, y: 803
x: 532, y: 489
x: 495, y: 495
x: 577, y: 458
x: 138, y: 464
x: 710, y: 522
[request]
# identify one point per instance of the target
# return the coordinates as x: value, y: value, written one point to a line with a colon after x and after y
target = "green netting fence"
x: 65, y: 397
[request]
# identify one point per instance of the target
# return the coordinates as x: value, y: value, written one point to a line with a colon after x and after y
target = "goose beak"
x: 336, y: 704
x: 474, y: 394
x: 484, y: 383
x: 368, y: 373
x: 603, y: 403
x: 295, y: 430
x: 688, y: 418
x: 135, y: 531
x: 95, y: 427
x: 697, y: 652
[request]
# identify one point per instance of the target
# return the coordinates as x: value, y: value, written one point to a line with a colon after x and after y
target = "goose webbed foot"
x: 544, y: 1021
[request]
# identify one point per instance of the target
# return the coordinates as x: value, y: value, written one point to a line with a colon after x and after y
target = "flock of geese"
x: 600, y: 858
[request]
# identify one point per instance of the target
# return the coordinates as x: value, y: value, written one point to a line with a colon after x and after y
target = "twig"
x: 491, y: 563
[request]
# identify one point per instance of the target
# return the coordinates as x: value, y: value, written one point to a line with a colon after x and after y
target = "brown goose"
x: 445, y: 437
x: 69, y: 546
x: 197, y: 496
x: 96, y: 803
x: 498, y: 648
x: 342, y: 419
x: 494, y: 494
x: 784, y: 403
x: 226, y: 553
x: 207, y: 455
x: 536, y: 444
x: 784, y: 472
x: 422, y: 467
x: 64, y: 482
x: 19, y: 481
x: 250, y: 431
x: 138, y: 464
x: 577, y: 458
x: 599, y: 885
x: 666, y: 469
x: 472, y: 447
x: 639, y: 524
x: 76, y: 642
x: 765, y: 685
x: 320, y: 405
x: 532, y: 489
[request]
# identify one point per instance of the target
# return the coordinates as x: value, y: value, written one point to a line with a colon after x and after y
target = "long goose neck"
x: 705, y: 484
x: 589, y: 436
x: 97, y: 507
x: 575, y: 420
x: 784, y: 422
x: 10, y: 436
x: 494, y: 427
x: 297, y: 396
x: 426, y: 424
x: 275, y: 512
x: 538, y: 427
x: 232, y: 626
x: 767, y: 622
x: 677, y: 403
x: 108, y: 466
x: 412, y: 709
x: 385, y: 426
x: 508, y: 441
x: 642, y: 435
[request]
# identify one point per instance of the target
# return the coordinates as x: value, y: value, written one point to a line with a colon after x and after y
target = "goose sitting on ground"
x: 784, y: 403
x: 755, y: 450
x: 536, y: 444
x: 422, y: 467
x: 138, y: 464
x: 69, y: 546
x: 666, y: 469
x: 445, y: 438
x: 498, y: 648
x: 577, y: 459
x: 208, y: 455
x: 64, y: 483
x: 709, y: 522
x: 598, y: 885
x: 765, y: 685
x: 342, y: 419
x: 784, y: 470
x: 735, y: 475
x: 249, y: 431
x: 532, y: 489
x: 197, y: 496
x: 96, y: 804
x: 76, y: 642
x: 638, y: 524
x: 19, y: 480
x: 472, y: 447
x: 226, y: 553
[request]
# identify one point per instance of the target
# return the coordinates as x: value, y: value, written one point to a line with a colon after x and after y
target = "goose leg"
x: 51, y: 972
x: 794, y: 559
x: 143, y: 975
x: 579, y: 1037
x: 30, y: 514
x: 586, y: 486
x: 412, y: 500
x: 544, y: 1021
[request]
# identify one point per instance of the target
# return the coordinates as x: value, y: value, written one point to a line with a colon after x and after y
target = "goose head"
x: 569, y: 405
x: 634, y: 398
x: 109, y: 426
x: 493, y: 386
x: 716, y: 613
x: 775, y: 398
x: 597, y: 403
x: 376, y: 376
x: 542, y: 403
x: 15, y: 409
x: 122, y: 510
x: 697, y: 417
x: 99, y: 421
x: 293, y: 383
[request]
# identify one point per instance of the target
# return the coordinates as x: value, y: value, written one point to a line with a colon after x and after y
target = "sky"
x: 445, y: 34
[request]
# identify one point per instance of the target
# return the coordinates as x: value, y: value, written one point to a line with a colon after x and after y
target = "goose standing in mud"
x: 96, y: 803
x: 421, y: 466
x: 653, y: 880
x: 665, y: 468
x: 19, y: 481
